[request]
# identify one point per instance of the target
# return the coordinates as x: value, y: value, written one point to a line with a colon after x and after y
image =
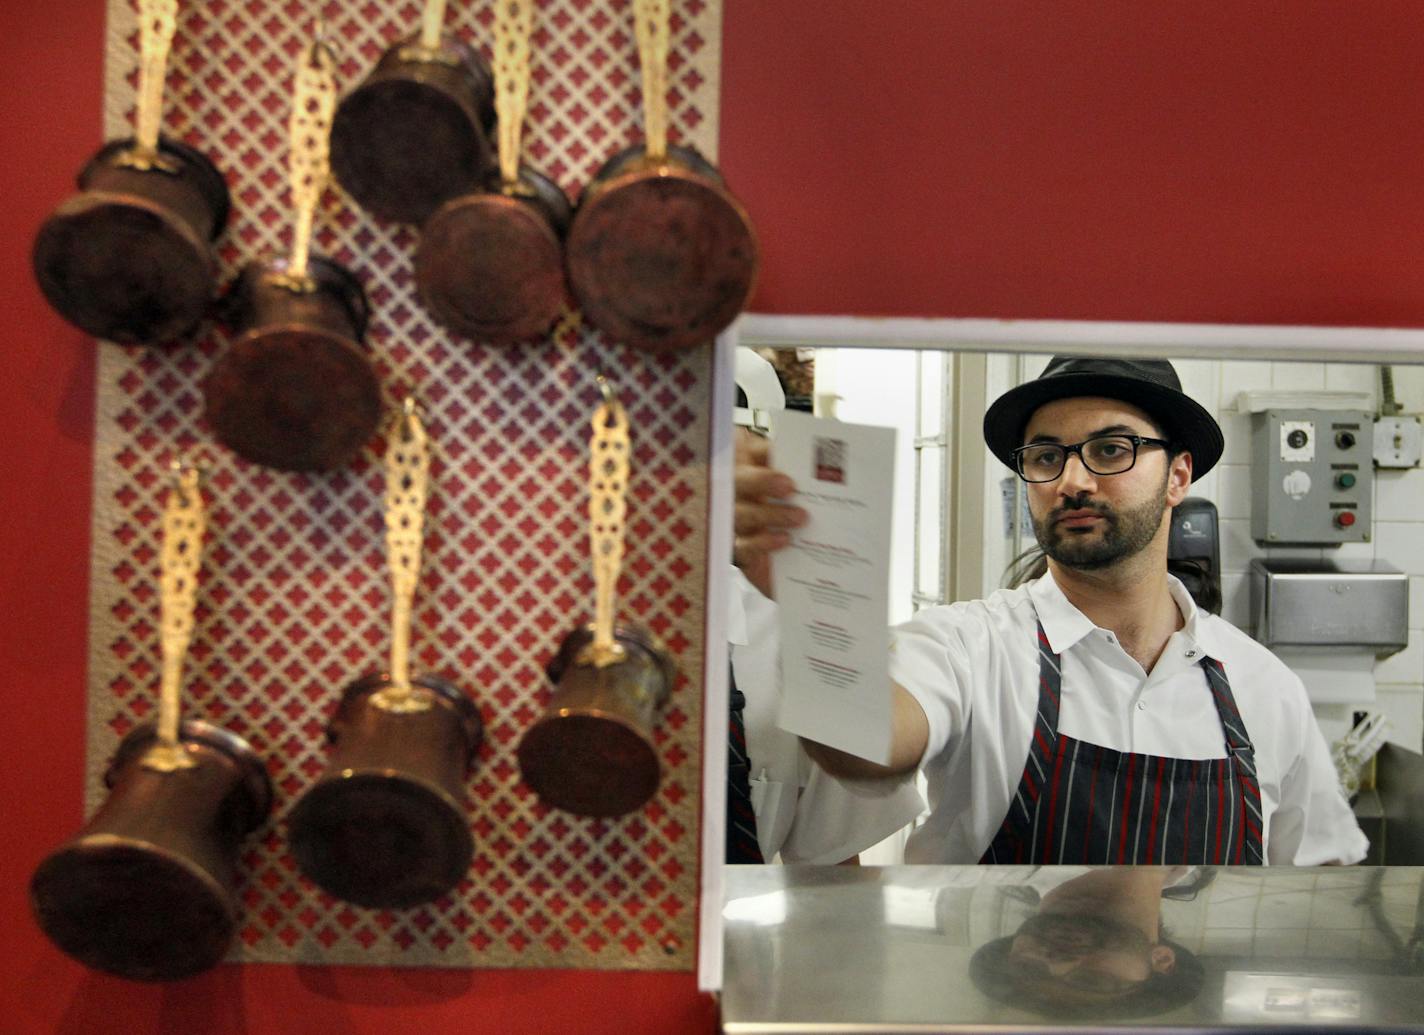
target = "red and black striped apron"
x: 1081, y: 803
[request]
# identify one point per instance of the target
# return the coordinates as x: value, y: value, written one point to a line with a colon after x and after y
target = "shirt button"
x: 1142, y: 706
x: 1191, y: 653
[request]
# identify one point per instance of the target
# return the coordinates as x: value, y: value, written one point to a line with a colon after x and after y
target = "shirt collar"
x: 1065, y: 625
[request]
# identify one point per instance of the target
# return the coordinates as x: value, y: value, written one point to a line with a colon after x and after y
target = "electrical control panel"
x: 1312, y: 476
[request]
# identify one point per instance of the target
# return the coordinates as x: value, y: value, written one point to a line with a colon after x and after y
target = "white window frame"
x: 1084, y: 337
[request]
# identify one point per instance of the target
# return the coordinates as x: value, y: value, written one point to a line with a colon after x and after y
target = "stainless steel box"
x: 1330, y: 603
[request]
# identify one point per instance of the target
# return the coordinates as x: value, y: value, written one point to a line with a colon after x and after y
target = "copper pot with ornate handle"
x: 660, y: 254
x: 296, y: 390
x: 593, y: 751
x: 386, y: 824
x: 490, y: 265
x: 130, y: 257
x: 415, y: 132
x: 146, y: 889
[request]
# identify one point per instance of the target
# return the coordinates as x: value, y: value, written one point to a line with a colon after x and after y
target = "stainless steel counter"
x: 979, y: 948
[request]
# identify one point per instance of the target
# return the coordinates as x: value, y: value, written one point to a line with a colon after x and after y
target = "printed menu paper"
x: 832, y: 583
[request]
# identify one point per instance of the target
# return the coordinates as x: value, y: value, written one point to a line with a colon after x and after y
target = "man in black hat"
x: 1094, y: 715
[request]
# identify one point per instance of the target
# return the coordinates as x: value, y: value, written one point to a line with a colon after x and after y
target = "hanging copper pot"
x: 146, y: 889
x: 386, y: 825
x: 130, y: 258
x: 490, y: 267
x: 415, y: 132
x: 296, y: 390
x: 660, y: 254
x: 592, y: 752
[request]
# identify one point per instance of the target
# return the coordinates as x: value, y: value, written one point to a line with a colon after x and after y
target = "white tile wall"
x: 1409, y: 388
x: 1405, y: 666
x: 1233, y: 486
x: 1298, y: 376
x: 1398, y: 535
x: 1352, y: 377
x: 1406, y: 717
x: 1399, y: 495
x: 1243, y: 376
x: 1401, y: 543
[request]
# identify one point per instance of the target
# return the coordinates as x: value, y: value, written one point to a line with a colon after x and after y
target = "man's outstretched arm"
x: 910, y: 735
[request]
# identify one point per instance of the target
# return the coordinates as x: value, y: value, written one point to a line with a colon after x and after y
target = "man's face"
x: 1087, y: 521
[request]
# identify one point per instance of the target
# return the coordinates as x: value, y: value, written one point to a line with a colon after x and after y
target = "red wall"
x: 1102, y: 159
x: 1094, y: 159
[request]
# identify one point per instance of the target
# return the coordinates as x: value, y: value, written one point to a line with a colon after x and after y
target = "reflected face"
x: 1085, y: 957
x: 1087, y: 521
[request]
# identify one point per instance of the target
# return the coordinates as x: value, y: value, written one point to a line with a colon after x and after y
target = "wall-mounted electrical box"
x: 1399, y: 442
x: 1312, y: 476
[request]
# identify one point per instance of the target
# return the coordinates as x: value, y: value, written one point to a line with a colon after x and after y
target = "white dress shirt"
x: 803, y: 814
x: 973, y: 667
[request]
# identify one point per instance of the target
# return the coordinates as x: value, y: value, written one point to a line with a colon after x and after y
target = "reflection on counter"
x: 1179, y: 948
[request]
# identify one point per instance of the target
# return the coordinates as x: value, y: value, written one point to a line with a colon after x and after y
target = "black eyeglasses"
x: 1102, y: 454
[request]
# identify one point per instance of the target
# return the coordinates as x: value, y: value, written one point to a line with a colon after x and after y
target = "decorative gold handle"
x: 513, y: 25
x: 431, y: 20
x: 652, y: 19
x: 184, y: 524
x: 158, y: 20
x: 407, y: 483
x: 313, y: 101
x: 607, y: 511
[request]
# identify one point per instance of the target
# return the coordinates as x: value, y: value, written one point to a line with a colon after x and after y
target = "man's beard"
x: 1126, y: 533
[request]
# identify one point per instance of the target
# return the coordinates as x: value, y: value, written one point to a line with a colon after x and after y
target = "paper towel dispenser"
x: 1194, y: 551
x: 1330, y: 603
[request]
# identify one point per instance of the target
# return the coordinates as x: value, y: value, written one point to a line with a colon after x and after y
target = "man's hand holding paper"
x: 831, y: 583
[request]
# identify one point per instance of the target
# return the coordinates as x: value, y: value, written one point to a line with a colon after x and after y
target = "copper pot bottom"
x: 124, y: 269
x: 294, y: 398
x: 491, y: 268
x: 379, y: 839
x: 132, y: 909
x: 661, y: 258
x: 402, y: 148
x: 589, y: 764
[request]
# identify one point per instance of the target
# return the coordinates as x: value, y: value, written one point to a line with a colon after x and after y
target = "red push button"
x: 1345, y: 518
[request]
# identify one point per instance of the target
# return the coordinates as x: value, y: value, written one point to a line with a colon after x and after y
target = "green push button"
x: 1345, y: 481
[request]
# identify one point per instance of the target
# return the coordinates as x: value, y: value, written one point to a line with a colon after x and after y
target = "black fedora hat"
x: 1149, y: 384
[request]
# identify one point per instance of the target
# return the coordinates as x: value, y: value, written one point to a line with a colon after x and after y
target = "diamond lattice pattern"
x: 294, y: 598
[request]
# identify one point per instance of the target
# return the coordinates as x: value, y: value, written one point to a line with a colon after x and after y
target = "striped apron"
x: 1081, y: 803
